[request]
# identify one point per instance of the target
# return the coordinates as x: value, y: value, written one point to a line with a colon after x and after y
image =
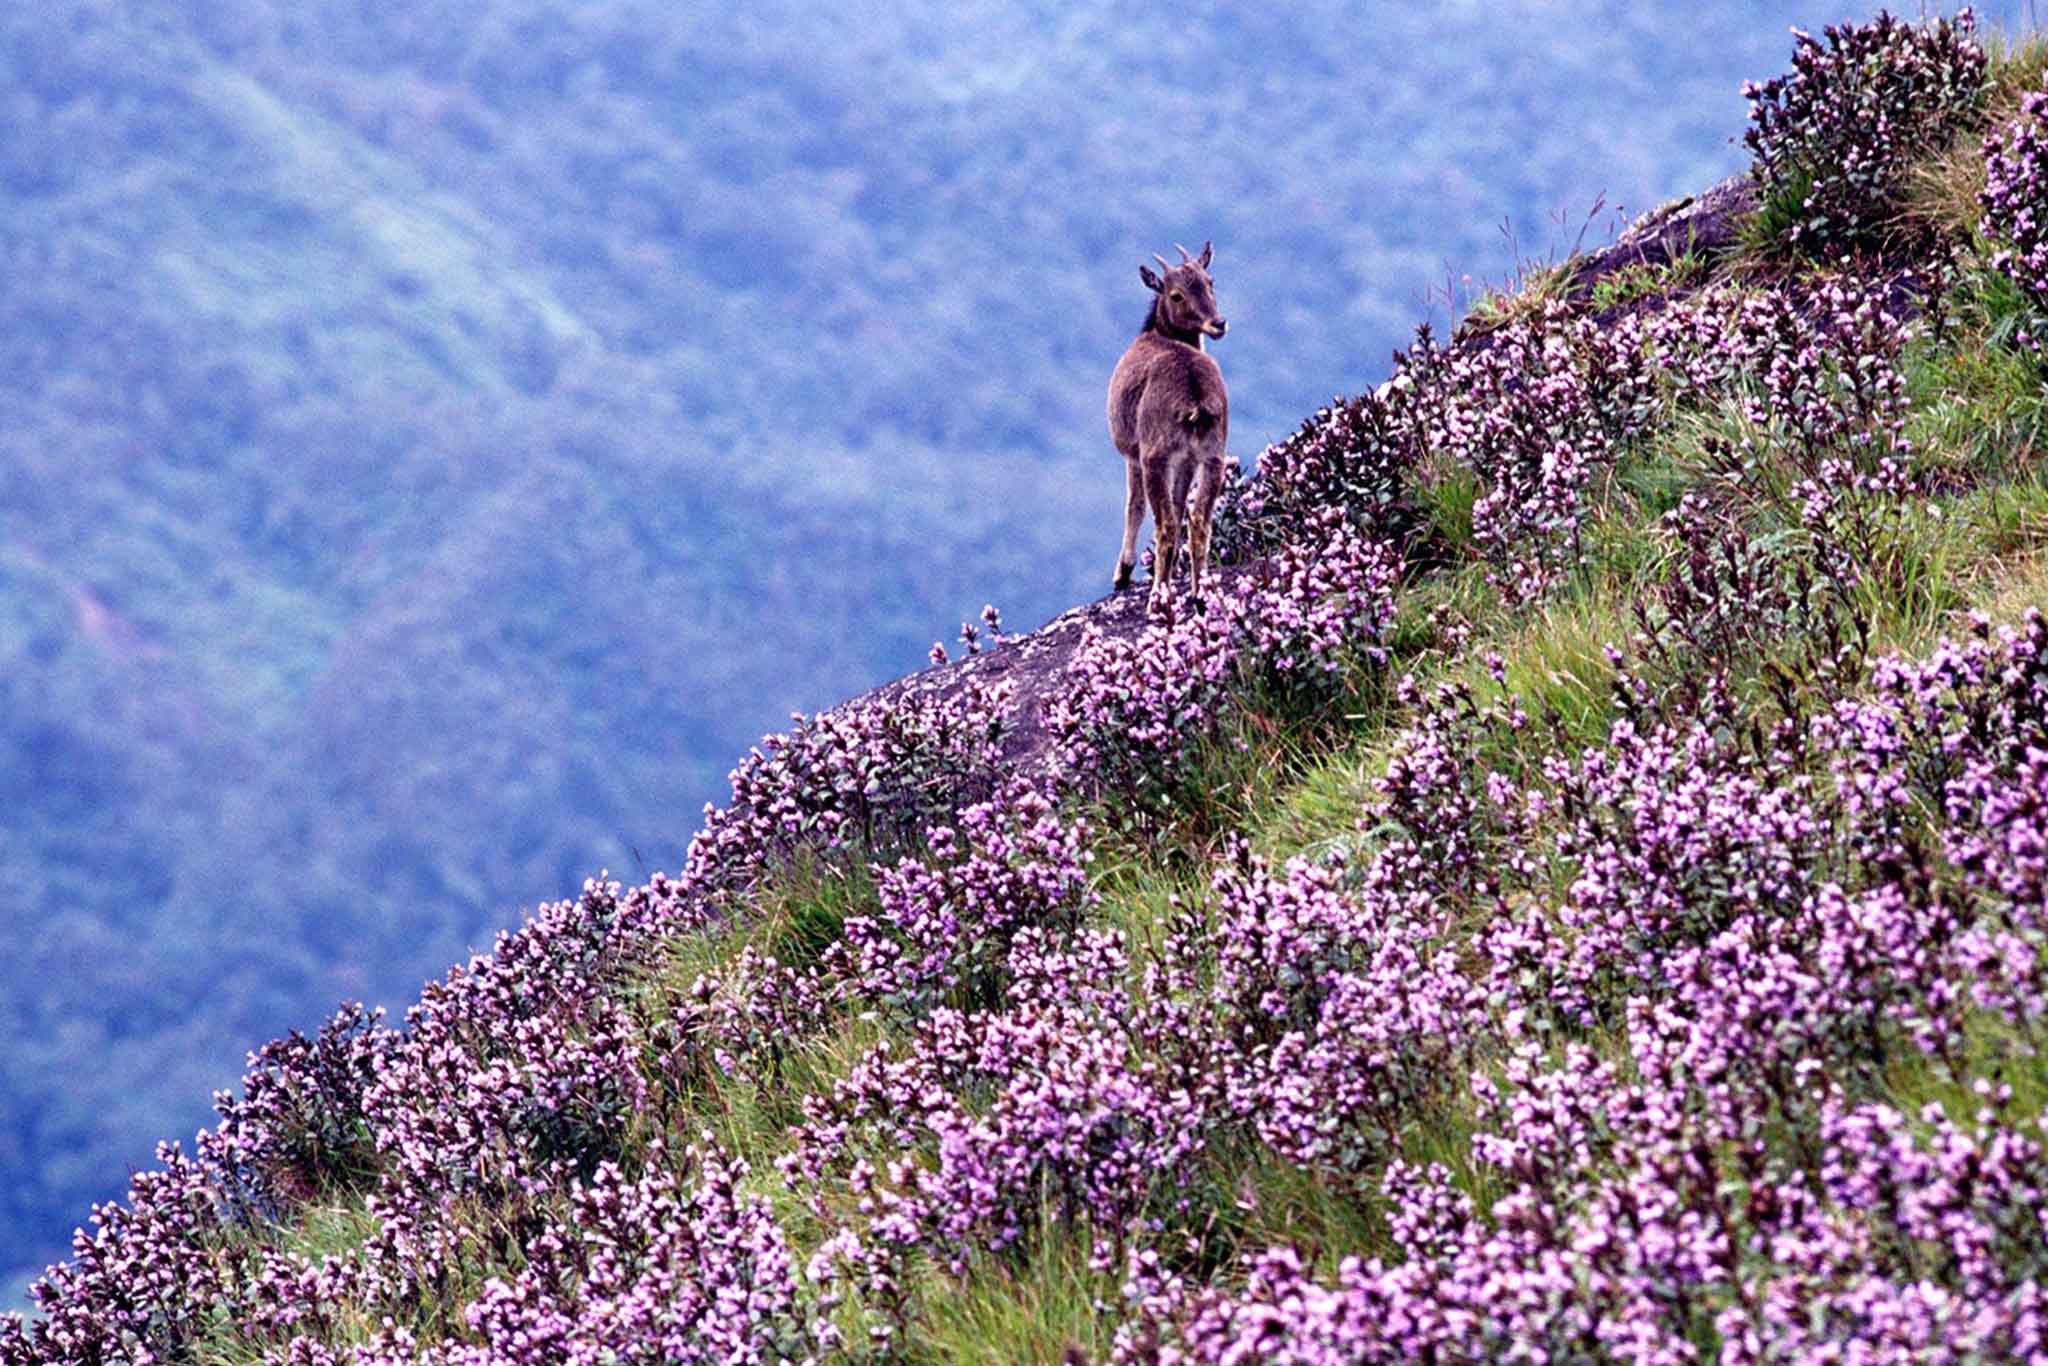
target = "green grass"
x: 321, y: 1229
x: 1445, y: 494
x: 1977, y: 411
x: 1282, y: 1203
x: 1631, y: 284
x: 1532, y: 288
x: 1762, y: 239
x: 2018, y: 64
x: 336, y: 1229
x: 1002, y: 1312
x: 1990, y: 1046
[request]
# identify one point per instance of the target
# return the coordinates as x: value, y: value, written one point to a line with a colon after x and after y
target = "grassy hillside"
x: 435, y: 439
x: 1576, y: 891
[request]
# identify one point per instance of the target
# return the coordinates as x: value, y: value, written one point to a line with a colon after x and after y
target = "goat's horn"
x: 1162, y: 260
x: 1184, y: 257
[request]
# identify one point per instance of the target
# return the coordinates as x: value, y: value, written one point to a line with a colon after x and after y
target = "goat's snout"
x: 1216, y: 327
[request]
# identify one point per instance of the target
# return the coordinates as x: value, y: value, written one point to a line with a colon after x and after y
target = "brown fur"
x: 1169, y: 416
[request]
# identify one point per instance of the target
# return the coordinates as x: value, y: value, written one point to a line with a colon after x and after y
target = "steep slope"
x: 435, y: 438
x: 1574, y: 888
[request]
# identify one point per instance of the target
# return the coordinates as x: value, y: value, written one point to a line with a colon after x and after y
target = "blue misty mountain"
x: 436, y: 439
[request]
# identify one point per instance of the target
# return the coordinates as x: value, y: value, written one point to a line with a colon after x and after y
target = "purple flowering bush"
x: 739, y: 1021
x: 1767, y: 953
x: 1701, y: 1024
x: 1815, y: 370
x: 1536, y: 416
x: 297, y: 1129
x: 944, y: 922
x: 2015, y: 204
x: 666, y: 1268
x: 1833, y: 138
x: 2016, y: 181
x: 1043, y: 1100
x: 1294, y: 626
x: 1734, y: 595
x: 865, y: 779
x: 1544, y: 416
x: 512, y: 1080
x: 1339, y: 1018
x: 1354, y: 456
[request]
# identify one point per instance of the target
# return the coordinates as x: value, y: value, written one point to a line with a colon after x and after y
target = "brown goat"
x: 1169, y: 415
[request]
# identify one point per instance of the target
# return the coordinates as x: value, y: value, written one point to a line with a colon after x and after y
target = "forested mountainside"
x: 435, y: 439
x: 1573, y: 889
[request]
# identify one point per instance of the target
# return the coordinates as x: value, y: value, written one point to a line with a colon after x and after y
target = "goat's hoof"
x: 1123, y: 577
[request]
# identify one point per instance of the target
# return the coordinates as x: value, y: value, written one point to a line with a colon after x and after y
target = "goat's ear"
x: 1152, y: 282
x: 1208, y: 250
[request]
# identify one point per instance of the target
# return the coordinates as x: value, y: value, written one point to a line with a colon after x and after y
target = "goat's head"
x: 1187, y: 296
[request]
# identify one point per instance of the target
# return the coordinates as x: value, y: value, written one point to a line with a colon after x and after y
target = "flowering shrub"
x: 1634, y: 1235
x: 1770, y: 949
x: 866, y: 778
x: 1656, y: 987
x: 1731, y: 597
x: 1353, y: 456
x: 1832, y: 139
x: 1815, y: 367
x: 512, y: 1079
x: 1541, y: 413
x: 2015, y: 202
x: 519, y: 1071
x: 737, y: 1021
x: 297, y: 1130
x: 1934, y: 729
x: 1446, y: 822
x: 970, y: 635
x: 1544, y: 410
x: 1338, y: 1018
x: 142, y: 1283
x: 1135, y: 710
x: 1535, y: 414
x: 1962, y: 733
x: 945, y: 922
x: 1768, y: 925
x: 652, y: 1270
x: 1138, y: 708
x: 987, y: 1121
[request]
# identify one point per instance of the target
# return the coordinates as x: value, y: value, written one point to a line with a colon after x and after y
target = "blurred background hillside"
x: 436, y: 439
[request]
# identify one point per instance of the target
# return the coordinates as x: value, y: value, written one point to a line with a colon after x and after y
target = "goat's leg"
x: 1134, y: 517
x: 1166, y: 519
x: 1201, y: 509
x: 1165, y: 555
